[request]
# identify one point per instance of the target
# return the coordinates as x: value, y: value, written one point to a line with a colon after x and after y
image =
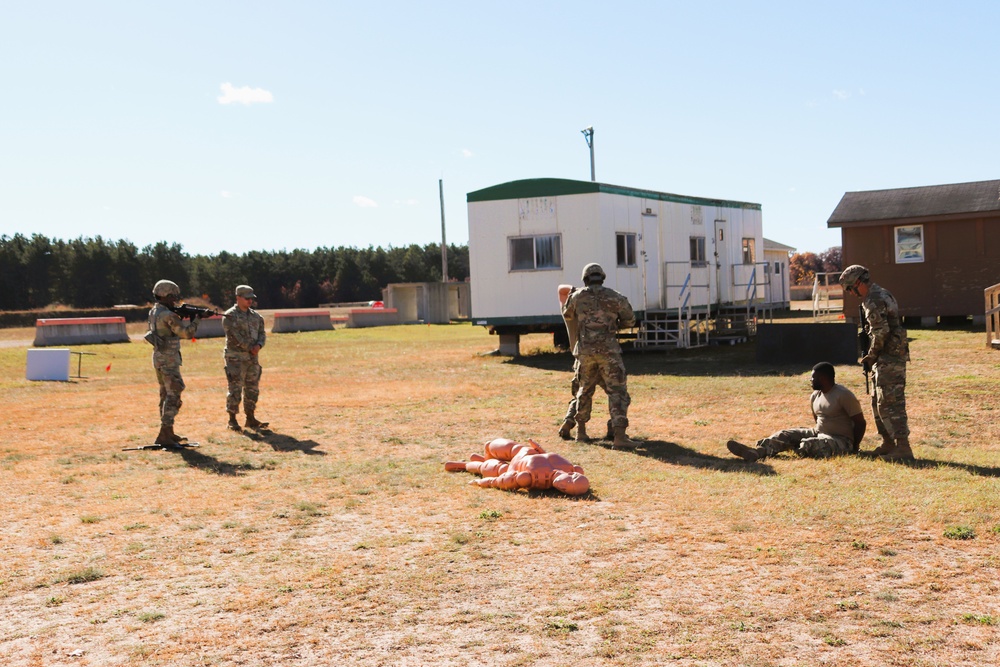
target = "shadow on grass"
x: 284, y: 443
x: 720, y: 360
x: 196, y: 459
x: 671, y: 452
x: 932, y: 464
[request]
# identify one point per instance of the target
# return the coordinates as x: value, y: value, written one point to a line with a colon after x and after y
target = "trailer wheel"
x: 560, y: 339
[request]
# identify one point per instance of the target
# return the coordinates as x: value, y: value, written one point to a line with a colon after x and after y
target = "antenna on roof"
x: 588, y: 134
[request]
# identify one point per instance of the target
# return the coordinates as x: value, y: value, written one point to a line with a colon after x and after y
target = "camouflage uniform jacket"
x: 166, y: 328
x: 888, y: 336
x: 243, y: 331
x: 599, y: 312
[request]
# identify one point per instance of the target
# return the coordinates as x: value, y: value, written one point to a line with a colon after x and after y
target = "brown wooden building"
x: 936, y: 248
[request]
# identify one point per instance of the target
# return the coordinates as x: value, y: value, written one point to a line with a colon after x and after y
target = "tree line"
x: 37, y: 272
x: 803, y: 266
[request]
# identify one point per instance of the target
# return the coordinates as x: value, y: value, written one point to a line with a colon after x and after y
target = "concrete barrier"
x: 372, y: 317
x: 210, y: 327
x: 80, y: 331
x: 290, y: 321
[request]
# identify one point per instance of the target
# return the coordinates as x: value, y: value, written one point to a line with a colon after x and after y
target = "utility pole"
x: 444, y: 243
x: 588, y: 134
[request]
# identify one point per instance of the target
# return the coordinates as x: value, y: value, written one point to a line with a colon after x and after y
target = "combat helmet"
x: 853, y: 275
x: 164, y: 288
x: 591, y: 270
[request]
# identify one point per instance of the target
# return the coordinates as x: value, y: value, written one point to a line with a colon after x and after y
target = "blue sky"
x: 264, y: 125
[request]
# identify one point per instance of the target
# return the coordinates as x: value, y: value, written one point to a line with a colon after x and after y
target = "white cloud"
x: 466, y: 152
x: 841, y: 94
x: 244, y: 95
x: 365, y: 202
x: 226, y: 194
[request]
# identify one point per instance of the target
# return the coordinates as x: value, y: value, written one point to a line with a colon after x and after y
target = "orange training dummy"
x: 509, y: 465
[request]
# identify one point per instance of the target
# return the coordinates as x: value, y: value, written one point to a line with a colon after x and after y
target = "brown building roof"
x: 930, y: 200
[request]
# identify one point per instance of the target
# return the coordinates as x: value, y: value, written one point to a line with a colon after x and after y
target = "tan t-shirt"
x: 835, y: 410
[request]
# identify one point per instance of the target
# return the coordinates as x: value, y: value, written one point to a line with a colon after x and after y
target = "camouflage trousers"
x: 575, y: 389
x: 171, y: 386
x: 889, y: 398
x: 608, y: 372
x: 806, y: 442
x: 243, y: 375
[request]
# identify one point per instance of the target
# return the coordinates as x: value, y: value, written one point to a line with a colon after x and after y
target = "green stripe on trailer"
x: 554, y: 187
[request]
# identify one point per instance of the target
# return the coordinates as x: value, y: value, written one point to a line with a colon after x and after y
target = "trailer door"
x: 652, y: 282
x: 723, y: 267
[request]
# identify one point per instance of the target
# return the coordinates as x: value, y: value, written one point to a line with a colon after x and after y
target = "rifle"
x: 193, y: 312
x: 864, y: 342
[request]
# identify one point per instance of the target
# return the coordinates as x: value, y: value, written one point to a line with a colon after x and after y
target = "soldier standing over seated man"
x: 245, y: 336
x: 166, y: 328
x: 886, y: 356
x: 598, y: 312
x: 840, y: 424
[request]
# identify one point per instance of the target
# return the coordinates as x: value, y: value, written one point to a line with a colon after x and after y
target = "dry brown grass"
x: 339, y: 539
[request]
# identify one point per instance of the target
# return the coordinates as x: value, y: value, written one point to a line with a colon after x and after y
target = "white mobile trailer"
x: 663, y: 251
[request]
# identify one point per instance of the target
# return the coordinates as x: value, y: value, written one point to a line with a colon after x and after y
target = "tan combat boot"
x: 900, y: 452
x: 581, y: 432
x: 166, y: 437
x: 887, y: 446
x: 748, y: 454
x: 252, y: 422
x: 566, y: 430
x: 233, y: 424
x: 622, y: 441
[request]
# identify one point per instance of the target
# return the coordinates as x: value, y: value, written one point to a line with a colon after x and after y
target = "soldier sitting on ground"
x: 840, y: 424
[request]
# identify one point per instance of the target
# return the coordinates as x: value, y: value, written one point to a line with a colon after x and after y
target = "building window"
x: 626, y: 249
x: 535, y: 252
x: 698, y: 251
x: 909, y: 244
x: 748, y: 251
x: 777, y: 268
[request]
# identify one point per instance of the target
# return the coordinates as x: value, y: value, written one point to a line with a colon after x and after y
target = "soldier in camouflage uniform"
x: 245, y: 337
x: 166, y: 328
x: 598, y: 312
x: 840, y: 424
x: 887, y: 356
x: 569, y: 421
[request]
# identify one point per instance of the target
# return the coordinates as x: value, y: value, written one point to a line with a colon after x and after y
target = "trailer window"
x: 626, y: 249
x: 909, y: 244
x: 535, y: 252
x: 698, y: 251
x: 748, y: 251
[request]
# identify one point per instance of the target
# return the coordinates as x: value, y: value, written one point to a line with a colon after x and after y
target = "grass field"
x: 338, y: 539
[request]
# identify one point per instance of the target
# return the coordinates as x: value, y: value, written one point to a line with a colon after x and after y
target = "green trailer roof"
x: 552, y: 187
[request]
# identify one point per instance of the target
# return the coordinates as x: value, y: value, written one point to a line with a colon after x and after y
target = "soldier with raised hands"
x: 597, y: 313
